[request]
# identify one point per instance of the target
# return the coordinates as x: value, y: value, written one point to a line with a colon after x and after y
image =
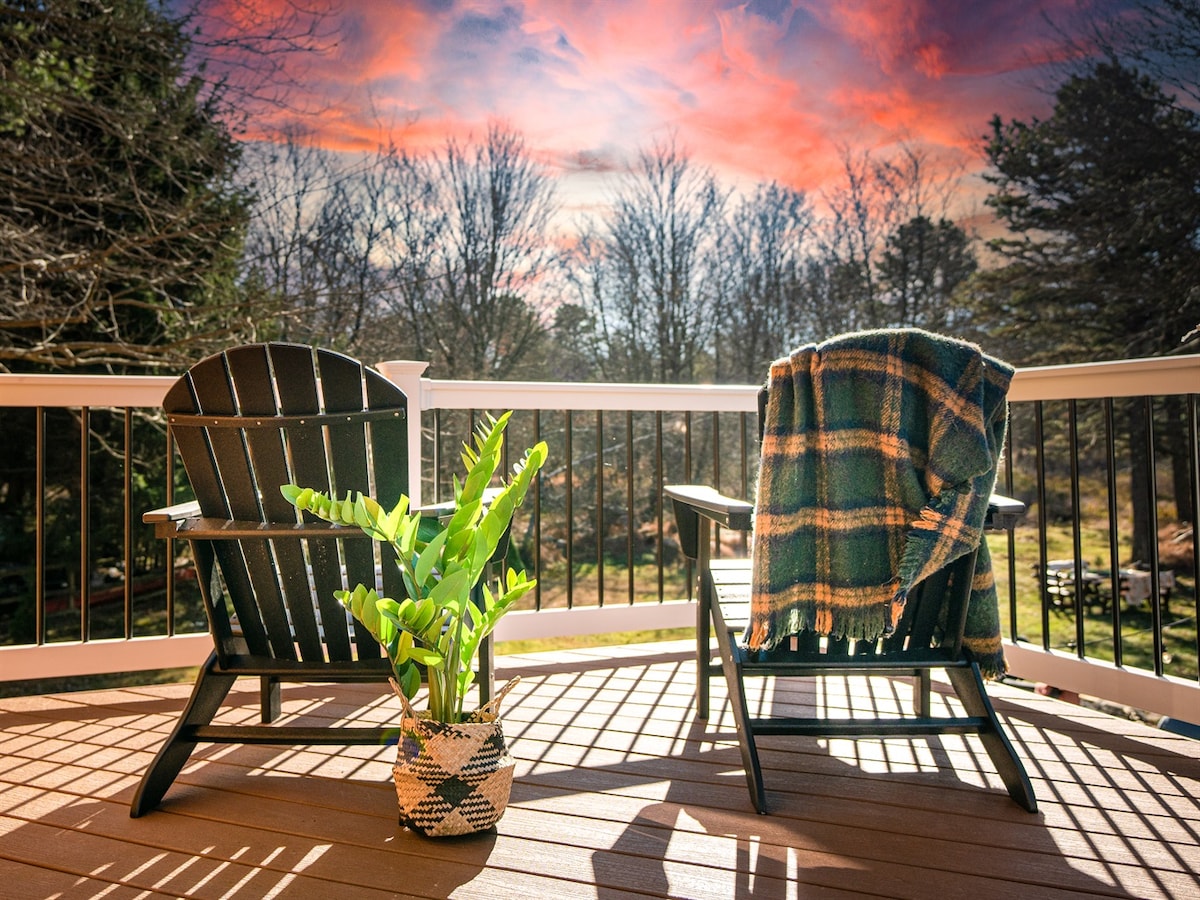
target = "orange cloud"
x: 759, y: 90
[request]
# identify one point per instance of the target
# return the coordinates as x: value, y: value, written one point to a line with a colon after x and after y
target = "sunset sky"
x: 769, y: 89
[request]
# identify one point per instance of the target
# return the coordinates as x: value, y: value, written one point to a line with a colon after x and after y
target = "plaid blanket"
x: 879, y: 456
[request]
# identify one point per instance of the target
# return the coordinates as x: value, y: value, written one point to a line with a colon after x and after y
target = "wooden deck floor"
x: 619, y: 793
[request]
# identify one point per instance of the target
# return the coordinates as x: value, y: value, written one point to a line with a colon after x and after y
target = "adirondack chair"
x: 928, y: 636
x: 246, y: 421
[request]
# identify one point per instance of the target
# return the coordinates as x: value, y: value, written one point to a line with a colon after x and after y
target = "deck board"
x: 619, y: 792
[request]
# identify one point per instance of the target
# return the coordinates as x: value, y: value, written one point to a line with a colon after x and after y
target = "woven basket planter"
x: 453, y: 779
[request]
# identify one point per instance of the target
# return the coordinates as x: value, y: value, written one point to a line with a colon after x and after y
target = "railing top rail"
x: 610, y: 396
x: 83, y: 390
x: 1154, y: 376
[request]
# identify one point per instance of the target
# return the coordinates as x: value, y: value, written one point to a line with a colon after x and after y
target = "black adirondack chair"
x: 929, y: 636
x: 245, y: 422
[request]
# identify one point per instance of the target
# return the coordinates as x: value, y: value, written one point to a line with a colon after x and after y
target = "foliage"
x: 123, y: 225
x: 923, y: 264
x: 438, y: 626
x: 1103, y: 206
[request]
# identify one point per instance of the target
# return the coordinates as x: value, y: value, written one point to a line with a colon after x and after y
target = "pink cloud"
x: 765, y: 89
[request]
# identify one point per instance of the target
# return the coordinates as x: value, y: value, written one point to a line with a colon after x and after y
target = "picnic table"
x: 1061, y: 586
x: 1095, y: 586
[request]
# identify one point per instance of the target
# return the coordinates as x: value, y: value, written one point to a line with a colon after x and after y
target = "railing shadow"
x: 1145, y: 791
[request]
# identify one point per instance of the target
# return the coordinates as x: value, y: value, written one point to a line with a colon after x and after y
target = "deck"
x: 619, y: 793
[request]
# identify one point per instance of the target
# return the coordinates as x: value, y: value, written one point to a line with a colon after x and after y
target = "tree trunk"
x: 1141, y: 480
x: 1176, y: 443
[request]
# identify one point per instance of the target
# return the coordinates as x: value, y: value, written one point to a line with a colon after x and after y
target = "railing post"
x: 406, y: 375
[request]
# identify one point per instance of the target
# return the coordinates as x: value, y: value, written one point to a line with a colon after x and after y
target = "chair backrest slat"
x: 389, y: 459
x: 202, y: 389
x: 284, y: 584
x: 342, y: 390
x: 260, y: 610
x: 296, y: 382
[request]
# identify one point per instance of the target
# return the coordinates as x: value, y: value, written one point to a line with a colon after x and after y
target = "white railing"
x: 1165, y: 376
x: 1150, y: 377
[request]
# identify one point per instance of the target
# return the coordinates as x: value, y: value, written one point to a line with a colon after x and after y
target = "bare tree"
x: 411, y: 255
x: 440, y: 257
x: 763, y: 254
x: 1158, y: 38
x: 850, y: 240
x: 1168, y: 44
x: 647, y: 273
x: 493, y: 254
x: 254, y: 55
x: 319, y: 231
x: 293, y: 179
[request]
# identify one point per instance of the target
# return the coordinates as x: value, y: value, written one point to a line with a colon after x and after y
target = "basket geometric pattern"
x: 452, y: 779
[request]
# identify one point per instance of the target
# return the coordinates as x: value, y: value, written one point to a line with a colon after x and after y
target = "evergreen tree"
x: 922, y: 266
x: 120, y: 224
x: 1102, y: 202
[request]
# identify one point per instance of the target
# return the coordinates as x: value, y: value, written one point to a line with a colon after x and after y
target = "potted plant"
x: 437, y: 630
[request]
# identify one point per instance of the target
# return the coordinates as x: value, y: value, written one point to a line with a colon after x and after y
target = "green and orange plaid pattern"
x: 879, y: 455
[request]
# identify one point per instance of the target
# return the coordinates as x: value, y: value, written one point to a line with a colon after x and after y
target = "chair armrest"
x: 693, y: 501
x: 185, y: 522
x: 175, y: 513
x: 1003, y: 513
x: 727, y: 511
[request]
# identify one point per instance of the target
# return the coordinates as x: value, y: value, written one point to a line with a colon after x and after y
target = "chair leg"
x: 741, y: 712
x: 270, y: 702
x: 487, y: 670
x: 208, y: 694
x: 971, y: 691
x: 922, y: 685
x: 703, y: 652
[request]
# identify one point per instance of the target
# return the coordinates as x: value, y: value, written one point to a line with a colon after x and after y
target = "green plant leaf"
x: 407, y: 537
x: 481, y: 552
x: 460, y: 526
x: 292, y: 493
x: 404, y: 645
x: 409, y: 678
x: 430, y: 556
x: 391, y: 524
x: 409, y: 585
x: 426, y: 657
x: 448, y: 592
x: 422, y: 615
x: 438, y: 626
